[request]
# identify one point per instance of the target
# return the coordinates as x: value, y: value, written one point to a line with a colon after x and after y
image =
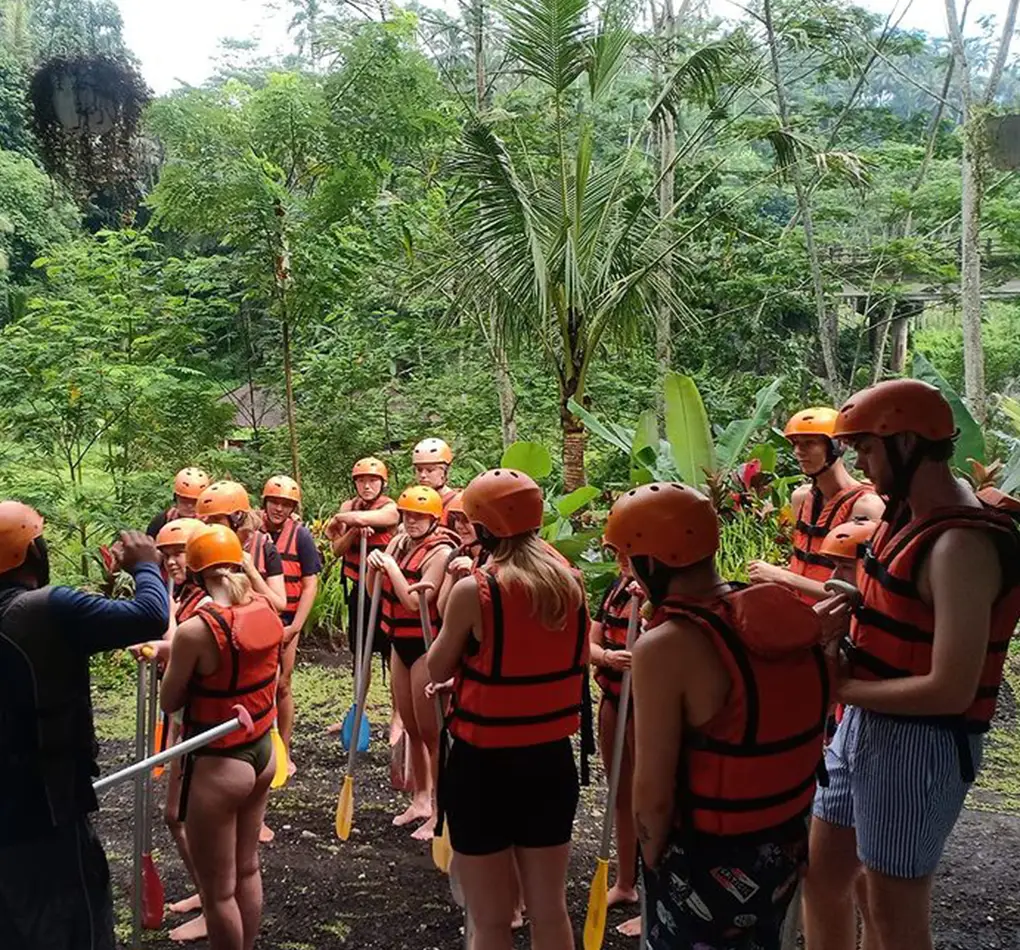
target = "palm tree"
x: 560, y: 248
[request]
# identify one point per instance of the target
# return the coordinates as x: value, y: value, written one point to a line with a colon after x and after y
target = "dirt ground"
x: 380, y: 891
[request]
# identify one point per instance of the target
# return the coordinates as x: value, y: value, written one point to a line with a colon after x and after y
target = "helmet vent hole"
x: 653, y: 487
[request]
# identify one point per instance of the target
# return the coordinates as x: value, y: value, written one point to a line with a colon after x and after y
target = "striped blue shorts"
x: 897, y: 783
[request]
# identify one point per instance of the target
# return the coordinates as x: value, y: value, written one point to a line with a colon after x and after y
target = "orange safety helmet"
x: 430, y: 451
x: 191, y: 482
x: 847, y: 540
x: 897, y: 405
x: 456, y: 505
x: 214, y: 545
x: 222, y: 498
x: 20, y: 525
x: 283, y: 487
x: 504, y: 502
x: 673, y: 523
x: 422, y: 500
x: 370, y: 466
x: 177, y: 532
x: 818, y: 420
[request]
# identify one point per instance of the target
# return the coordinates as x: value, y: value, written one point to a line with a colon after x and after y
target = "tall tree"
x: 975, y: 105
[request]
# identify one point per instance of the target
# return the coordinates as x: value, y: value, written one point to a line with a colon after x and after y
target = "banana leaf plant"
x: 689, y: 453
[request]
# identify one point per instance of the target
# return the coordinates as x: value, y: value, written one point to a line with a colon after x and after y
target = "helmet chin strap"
x: 904, y: 468
x: 653, y: 577
x: 832, y: 456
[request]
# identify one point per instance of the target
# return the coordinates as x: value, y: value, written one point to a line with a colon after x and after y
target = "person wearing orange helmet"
x: 372, y: 513
x: 431, y: 459
x: 186, y: 596
x: 418, y: 554
x: 832, y: 497
x: 189, y: 483
x: 227, y: 654
x: 302, y: 565
x: 465, y: 558
x: 227, y: 503
x: 920, y: 671
x: 731, y: 694
x: 515, y: 637
x: 54, y: 880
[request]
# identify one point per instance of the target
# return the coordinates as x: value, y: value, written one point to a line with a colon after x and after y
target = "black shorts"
x: 718, y: 893
x: 409, y: 649
x: 496, y: 799
x: 55, y: 892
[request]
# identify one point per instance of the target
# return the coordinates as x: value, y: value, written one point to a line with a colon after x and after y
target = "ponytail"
x: 238, y: 587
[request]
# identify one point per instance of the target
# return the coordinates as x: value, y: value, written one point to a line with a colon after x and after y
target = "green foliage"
x: 971, y: 441
x: 747, y: 536
x: 532, y: 458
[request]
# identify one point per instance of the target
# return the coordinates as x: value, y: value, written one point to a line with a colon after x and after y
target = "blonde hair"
x: 551, y: 586
x: 245, y: 524
x: 236, y: 584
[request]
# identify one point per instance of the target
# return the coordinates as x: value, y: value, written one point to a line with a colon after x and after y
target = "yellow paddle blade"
x: 345, y: 809
x: 442, y: 852
x: 281, y: 774
x: 595, y: 922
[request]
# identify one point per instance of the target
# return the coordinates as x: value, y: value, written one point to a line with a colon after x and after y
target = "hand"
x: 379, y: 560
x: 460, y: 566
x: 422, y: 586
x: 290, y: 631
x: 366, y: 531
x: 618, y: 660
x: 432, y: 688
x: 758, y: 572
x: 635, y: 590
x: 155, y: 649
x: 137, y: 548
x: 834, y: 617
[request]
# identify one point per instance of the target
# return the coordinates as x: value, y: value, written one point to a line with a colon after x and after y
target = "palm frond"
x: 697, y: 79
x: 607, y: 49
x: 847, y: 166
x: 549, y: 39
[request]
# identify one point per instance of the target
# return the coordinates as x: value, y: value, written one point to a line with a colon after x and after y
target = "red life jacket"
x: 447, y: 495
x: 753, y: 767
x: 525, y: 684
x: 377, y: 540
x: 249, y: 638
x: 397, y: 620
x: 256, y: 547
x: 287, y: 544
x: 810, y: 531
x: 614, y: 615
x: 190, y: 595
x: 893, y: 631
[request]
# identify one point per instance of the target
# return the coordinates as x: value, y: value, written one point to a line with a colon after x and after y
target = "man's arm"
x: 964, y: 577
x: 869, y: 506
x: 98, y: 624
x: 658, y: 733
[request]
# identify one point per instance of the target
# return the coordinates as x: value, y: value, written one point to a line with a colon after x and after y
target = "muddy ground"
x: 380, y: 889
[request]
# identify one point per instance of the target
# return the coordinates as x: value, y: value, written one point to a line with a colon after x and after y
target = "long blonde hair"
x: 235, y: 583
x: 551, y: 586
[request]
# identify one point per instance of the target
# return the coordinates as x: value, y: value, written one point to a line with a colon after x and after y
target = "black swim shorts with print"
x: 712, y: 893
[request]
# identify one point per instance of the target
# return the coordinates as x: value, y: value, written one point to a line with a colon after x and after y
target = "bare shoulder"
x: 674, y: 645
x: 464, y: 592
x: 965, y: 562
x: 868, y: 505
x: 800, y: 494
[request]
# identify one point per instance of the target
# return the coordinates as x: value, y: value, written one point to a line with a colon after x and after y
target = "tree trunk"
x: 574, y: 438
x: 970, y: 275
x: 827, y: 324
x: 291, y: 415
x: 880, y: 334
x: 500, y: 362
x: 900, y: 336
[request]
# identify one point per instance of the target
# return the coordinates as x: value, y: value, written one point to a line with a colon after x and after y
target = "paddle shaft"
x: 153, y: 712
x: 621, y: 734
x: 426, y: 630
x: 139, y: 809
x: 366, y: 659
x: 167, y: 755
x: 359, y: 634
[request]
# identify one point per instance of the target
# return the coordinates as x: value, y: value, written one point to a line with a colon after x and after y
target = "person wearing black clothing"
x: 54, y: 880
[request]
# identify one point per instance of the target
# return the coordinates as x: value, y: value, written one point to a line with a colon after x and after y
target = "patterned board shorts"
x: 719, y: 894
x: 55, y: 892
x: 898, y: 784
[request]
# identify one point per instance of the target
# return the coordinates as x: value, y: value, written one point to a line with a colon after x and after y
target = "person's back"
x: 54, y: 886
x: 731, y: 697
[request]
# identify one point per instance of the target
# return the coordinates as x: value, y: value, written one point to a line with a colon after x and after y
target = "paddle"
x: 595, y: 921
x: 345, y: 803
x: 282, y: 772
x: 359, y: 643
x: 139, y: 812
x: 153, y: 896
x: 442, y: 853
x: 241, y: 720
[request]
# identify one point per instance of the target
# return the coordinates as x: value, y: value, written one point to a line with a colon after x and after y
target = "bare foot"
x: 187, y: 906
x: 291, y: 767
x: 413, y: 812
x: 194, y: 929
x: 518, y: 920
x: 427, y: 831
x: 266, y: 834
x: 335, y: 729
x: 621, y: 895
x: 630, y: 928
